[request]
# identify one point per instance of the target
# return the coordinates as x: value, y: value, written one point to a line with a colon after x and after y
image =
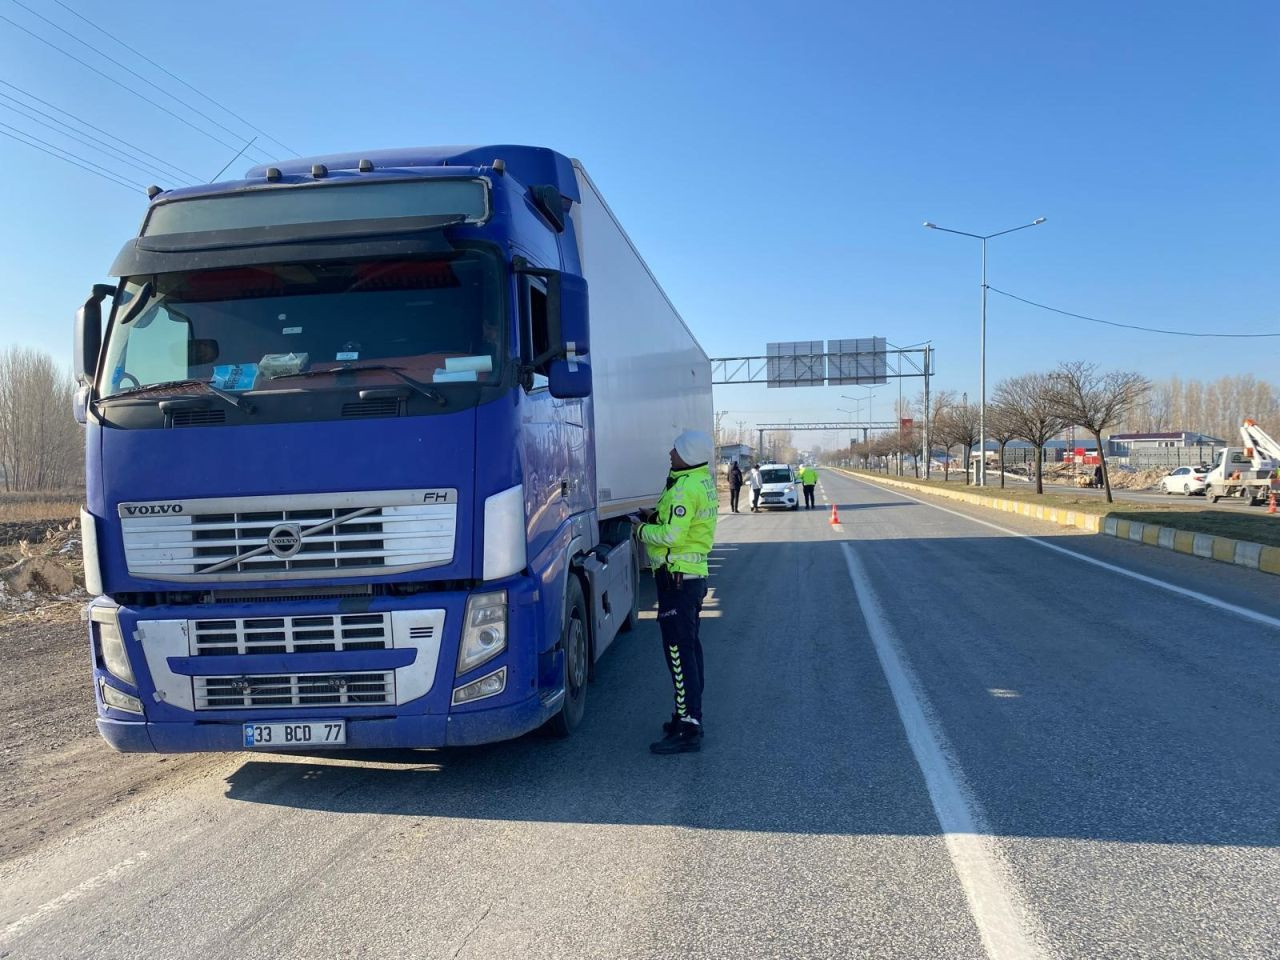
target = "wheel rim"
x: 577, y: 654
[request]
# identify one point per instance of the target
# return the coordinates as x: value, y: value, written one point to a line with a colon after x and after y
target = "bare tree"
x: 960, y: 427
x: 41, y: 446
x: 1001, y: 429
x: 1027, y: 404
x: 1096, y: 401
x: 940, y: 403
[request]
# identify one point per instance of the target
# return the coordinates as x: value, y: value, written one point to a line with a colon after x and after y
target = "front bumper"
x: 450, y: 730
x: 168, y: 668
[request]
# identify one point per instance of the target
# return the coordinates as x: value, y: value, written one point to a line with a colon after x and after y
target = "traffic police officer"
x: 678, y: 539
x: 808, y: 480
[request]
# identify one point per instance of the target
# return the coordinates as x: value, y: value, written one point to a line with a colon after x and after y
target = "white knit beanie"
x: 694, y: 447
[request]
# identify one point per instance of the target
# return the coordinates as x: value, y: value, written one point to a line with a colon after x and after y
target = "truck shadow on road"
x: 1132, y: 733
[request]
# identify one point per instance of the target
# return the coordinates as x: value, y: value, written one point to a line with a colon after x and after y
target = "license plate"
x: 311, y: 733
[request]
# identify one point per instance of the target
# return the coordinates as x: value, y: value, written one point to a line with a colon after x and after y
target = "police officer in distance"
x: 678, y: 540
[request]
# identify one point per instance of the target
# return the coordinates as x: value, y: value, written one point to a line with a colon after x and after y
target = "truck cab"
x: 342, y: 462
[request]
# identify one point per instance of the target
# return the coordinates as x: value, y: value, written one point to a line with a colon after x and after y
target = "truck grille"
x: 295, y: 690
x: 318, y: 634
x: 311, y: 535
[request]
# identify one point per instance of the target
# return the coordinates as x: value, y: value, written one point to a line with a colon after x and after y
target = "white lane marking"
x: 1006, y: 925
x: 72, y: 895
x: 1245, y: 612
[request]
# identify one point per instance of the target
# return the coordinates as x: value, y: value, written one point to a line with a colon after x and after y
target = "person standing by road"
x: 678, y: 540
x: 735, y: 485
x: 1097, y: 475
x: 808, y: 480
x: 755, y: 481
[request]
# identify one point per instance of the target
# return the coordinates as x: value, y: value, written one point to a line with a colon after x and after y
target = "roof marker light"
x: 273, y: 174
x: 499, y: 166
x: 365, y: 166
x: 153, y: 191
x: 319, y: 170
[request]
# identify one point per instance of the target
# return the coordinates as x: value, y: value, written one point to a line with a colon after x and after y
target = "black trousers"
x: 733, y: 498
x: 808, y: 495
x: 755, y: 497
x: 679, y: 606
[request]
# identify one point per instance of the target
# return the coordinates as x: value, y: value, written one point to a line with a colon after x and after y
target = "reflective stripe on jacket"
x: 684, y: 529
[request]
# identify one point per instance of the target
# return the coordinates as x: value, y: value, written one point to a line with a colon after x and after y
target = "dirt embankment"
x: 56, y: 773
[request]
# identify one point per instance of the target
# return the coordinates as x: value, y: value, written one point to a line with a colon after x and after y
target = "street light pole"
x: 982, y: 348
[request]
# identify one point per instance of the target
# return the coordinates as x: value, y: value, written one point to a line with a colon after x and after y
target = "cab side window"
x: 534, y: 335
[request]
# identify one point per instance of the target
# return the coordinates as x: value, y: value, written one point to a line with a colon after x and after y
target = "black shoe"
x: 686, y: 738
x: 672, y: 725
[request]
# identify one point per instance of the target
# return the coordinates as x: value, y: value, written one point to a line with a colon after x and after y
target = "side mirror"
x: 569, y: 379
x: 88, y: 333
x: 575, y: 328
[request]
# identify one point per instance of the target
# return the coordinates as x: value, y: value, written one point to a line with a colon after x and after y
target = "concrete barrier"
x: 1241, y: 553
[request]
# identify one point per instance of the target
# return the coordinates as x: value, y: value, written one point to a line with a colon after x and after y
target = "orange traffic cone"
x: 835, y: 515
x: 1271, y: 503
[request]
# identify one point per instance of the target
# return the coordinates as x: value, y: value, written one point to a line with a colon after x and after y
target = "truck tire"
x: 634, y: 613
x: 575, y: 640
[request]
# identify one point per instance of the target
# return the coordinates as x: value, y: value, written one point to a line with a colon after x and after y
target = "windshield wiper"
x: 231, y: 398
x: 435, y: 396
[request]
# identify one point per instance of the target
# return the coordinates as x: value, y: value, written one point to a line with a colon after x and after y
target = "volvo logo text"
x: 151, y: 509
x: 285, y: 540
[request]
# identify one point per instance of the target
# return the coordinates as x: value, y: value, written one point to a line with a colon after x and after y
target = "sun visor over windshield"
x: 135, y: 260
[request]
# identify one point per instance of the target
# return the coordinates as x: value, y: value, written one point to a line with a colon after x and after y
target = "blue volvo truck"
x: 361, y: 434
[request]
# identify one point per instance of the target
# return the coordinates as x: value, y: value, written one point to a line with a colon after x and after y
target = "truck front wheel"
x: 575, y: 641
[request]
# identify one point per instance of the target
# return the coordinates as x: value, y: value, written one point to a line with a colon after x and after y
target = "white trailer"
x: 651, y: 379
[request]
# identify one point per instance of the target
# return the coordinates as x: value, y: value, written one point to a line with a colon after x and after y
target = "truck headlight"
x: 487, y: 686
x: 484, y: 630
x: 111, y: 642
x: 118, y: 699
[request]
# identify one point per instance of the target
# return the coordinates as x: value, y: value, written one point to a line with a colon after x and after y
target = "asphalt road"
x: 926, y: 738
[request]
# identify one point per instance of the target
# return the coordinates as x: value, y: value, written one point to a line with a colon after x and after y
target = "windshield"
x: 775, y: 476
x: 244, y: 329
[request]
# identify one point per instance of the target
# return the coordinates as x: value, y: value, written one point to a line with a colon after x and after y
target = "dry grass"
x: 40, y: 505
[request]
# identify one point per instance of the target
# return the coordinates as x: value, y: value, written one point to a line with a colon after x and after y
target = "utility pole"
x: 928, y: 459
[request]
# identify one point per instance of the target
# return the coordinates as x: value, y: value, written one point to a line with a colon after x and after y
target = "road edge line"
x: 1005, y: 923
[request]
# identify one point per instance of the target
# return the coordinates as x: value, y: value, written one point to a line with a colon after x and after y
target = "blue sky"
x: 773, y: 163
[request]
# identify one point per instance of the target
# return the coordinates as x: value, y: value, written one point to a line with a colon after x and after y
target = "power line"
x: 106, y: 133
x: 126, y: 68
x: 231, y: 161
x: 168, y: 73
x: 132, y: 187
x: 1130, y: 326
x: 70, y: 132
x: 118, y: 83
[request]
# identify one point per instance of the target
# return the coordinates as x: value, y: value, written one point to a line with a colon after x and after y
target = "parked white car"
x: 1184, y: 480
x: 780, y: 488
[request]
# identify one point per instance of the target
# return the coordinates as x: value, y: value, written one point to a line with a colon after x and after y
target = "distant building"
x: 729, y: 452
x: 1125, y: 444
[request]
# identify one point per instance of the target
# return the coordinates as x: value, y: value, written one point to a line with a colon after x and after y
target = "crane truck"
x: 1248, y: 471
